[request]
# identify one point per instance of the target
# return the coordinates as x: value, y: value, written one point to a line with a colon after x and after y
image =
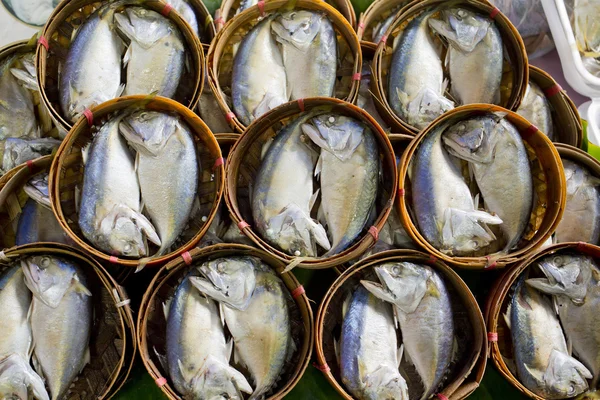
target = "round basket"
x: 219, y: 59
x: 205, y: 21
x: 515, y: 71
x: 112, y: 340
x: 502, y: 347
x: 568, y: 127
x: 229, y: 8
x: 470, y: 326
x: 67, y: 173
x: 377, y: 13
x: 245, y: 159
x: 54, y: 43
x: 151, y: 320
x: 47, y: 127
x: 548, y: 181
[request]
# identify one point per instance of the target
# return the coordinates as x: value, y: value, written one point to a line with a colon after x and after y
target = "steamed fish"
x: 20, y: 150
x: 17, y: 114
x: 19, y: 381
x: 536, y: 109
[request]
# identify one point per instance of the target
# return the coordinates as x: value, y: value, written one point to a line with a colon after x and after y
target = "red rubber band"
x: 401, y: 192
x: 242, y: 225
x: 299, y: 291
x: 229, y: 116
x: 554, y: 90
x: 494, y: 12
x: 374, y: 232
x: 530, y: 131
x: 29, y: 165
x: 322, y: 368
x: 113, y: 259
x: 356, y: 76
x: 89, y: 116
x: 489, y: 265
x: 261, y: 7
x: 581, y: 246
x: 44, y: 42
x: 301, y: 104
x: 218, y: 162
x: 219, y: 21
x: 166, y: 10
x: 492, y: 337
x: 432, y: 259
x: 383, y: 39
x: 187, y: 258
x: 160, y: 382
x: 441, y: 396
x: 361, y: 25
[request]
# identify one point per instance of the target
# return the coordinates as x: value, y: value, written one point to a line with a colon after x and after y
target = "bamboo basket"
x: 112, y: 341
x: 470, y: 326
x: 56, y: 39
x: 220, y: 55
x: 151, y: 321
x: 206, y: 23
x: 497, y: 303
x: 209, y: 110
x: 245, y: 158
x: 229, y: 9
x: 67, y: 175
x: 47, y: 128
x: 568, y: 127
x: 515, y: 71
x: 548, y: 180
x: 377, y: 12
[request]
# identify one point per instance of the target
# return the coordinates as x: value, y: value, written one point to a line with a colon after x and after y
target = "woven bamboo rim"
x: 151, y: 323
x: 67, y: 173
x: 468, y: 373
x: 549, y: 185
x: 219, y: 60
x: 377, y: 12
x: 568, y: 127
x: 244, y: 161
x: 206, y: 24
x: 229, y: 8
x: 579, y: 156
x: 498, y: 302
x: 57, y: 35
x: 112, y: 344
x: 516, y: 72
x: 47, y: 128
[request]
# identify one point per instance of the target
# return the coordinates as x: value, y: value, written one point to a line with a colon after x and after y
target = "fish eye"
x: 45, y: 262
x: 221, y: 267
x: 557, y: 260
x: 127, y: 248
x: 396, y: 269
x: 571, y: 390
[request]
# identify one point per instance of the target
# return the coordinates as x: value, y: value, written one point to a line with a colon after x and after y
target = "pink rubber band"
x: 494, y: 12
x: 187, y: 258
x: 113, y: 259
x: 44, y: 42
x: 301, y: 104
x: 441, y: 396
x: 489, y: 265
x: 581, y: 246
x: 322, y: 368
x: 401, y: 192
x: 383, y: 39
x: 229, y: 116
x: 554, y: 90
x: 299, y: 291
x: 160, y: 382
x: 492, y: 336
x: 89, y: 116
x: 218, y: 162
x: 166, y: 10
x: 356, y: 76
x: 361, y: 25
x: 530, y: 130
x: 242, y: 225
x: 29, y: 165
x: 261, y: 7
x: 432, y: 259
x: 374, y: 232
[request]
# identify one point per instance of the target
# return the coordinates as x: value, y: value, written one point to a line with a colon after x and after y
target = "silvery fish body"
x: 188, y: 14
x: 110, y: 212
x: 424, y: 311
x: 210, y: 112
x: 349, y: 176
x: 499, y: 161
x: 197, y: 351
x: 472, y: 38
x: 365, y: 97
x: 309, y: 52
x: 283, y: 190
x: 541, y: 356
x: 32, y: 12
x: 536, y: 109
x: 92, y: 72
x: 17, y: 115
x: 581, y: 219
x: 61, y: 319
x: 574, y: 282
x: 416, y: 81
x: 19, y: 381
x: 245, y: 4
x: 38, y: 223
x: 380, y: 29
x: 37, y: 189
x: 155, y: 56
x: 20, y: 150
x: 254, y: 88
x: 168, y: 179
x: 442, y: 201
x: 15, y: 300
x: 369, y: 356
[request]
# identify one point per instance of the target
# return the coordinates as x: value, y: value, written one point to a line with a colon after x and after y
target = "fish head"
x: 403, y: 284
x: 567, y: 275
x: 470, y: 140
x: 141, y: 25
x: 228, y: 280
x: 465, y: 232
x: 148, y: 131
x: 386, y: 383
x: 462, y: 28
x: 297, y: 27
x: 337, y: 134
x: 565, y: 377
x: 18, y: 381
x: 48, y: 278
x: 219, y: 380
x: 37, y: 188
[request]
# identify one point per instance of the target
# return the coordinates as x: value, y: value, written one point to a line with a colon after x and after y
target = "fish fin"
x: 37, y: 366
x: 313, y: 199
x: 161, y: 359
x: 25, y: 78
x: 127, y: 56
x: 222, y: 315
x: 87, y: 358
x: 185, y: 374
x: 167, y: 307
x: 400, y: 353
x: 319, y: 166
x: 265, y: 147
x: 377, y: 290
x: 229, y: 349
x: 321, y: 215
x: 346, y: 304
x: 80, y: 287
x: 85, y: 152
x: 336, y: 350
x: 313, y: 133
x: 506, y: 316
x: 120, y: 90
x: 146, y: 226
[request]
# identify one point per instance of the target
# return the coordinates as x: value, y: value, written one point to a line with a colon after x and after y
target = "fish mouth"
x: 32, y: 277
x: 205, y: 284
